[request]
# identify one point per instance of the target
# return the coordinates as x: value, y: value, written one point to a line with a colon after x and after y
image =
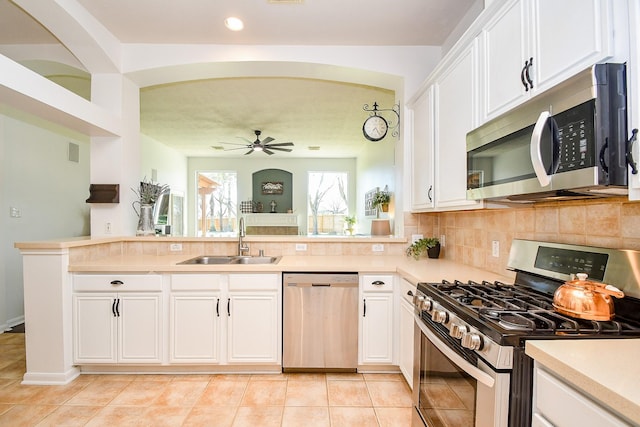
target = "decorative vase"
x: 434, y: 252
x: 146, y: 226
x: 384, y: 207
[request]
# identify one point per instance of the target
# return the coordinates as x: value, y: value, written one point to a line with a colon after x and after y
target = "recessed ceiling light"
x: 233, y: 23
x: 314, y: 147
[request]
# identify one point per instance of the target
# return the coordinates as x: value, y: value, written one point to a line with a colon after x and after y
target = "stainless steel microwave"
x: 569, y: 142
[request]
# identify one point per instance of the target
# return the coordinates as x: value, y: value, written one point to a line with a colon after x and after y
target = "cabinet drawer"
x: 196, y: 282
x: 238, y: 282
x: 562, y: 405
x: 376, y: 282
x: 117, y: 282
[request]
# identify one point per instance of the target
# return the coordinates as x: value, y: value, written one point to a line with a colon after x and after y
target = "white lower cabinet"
x: 376, y: 319
x: 556, y: 403
x: 254, y: 318
x: 195, y: 318
x: 117, y: 327
x: 225, y: 318
x: 405, y: 333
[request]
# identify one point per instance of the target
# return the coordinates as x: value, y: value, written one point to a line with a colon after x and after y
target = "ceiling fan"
x: 264, y: 145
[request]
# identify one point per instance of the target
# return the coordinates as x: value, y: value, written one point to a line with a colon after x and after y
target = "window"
x: 328, y: 202
x: 217, y: 203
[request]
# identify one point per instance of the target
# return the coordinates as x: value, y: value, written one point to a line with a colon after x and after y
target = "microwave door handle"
x: 536, y: 152
x: 470, y: 369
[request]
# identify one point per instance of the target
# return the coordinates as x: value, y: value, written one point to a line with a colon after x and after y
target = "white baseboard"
x: 10, y: 323
x: 49, y: 378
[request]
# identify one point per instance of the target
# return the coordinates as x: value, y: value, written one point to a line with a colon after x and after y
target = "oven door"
x: 452, y: 387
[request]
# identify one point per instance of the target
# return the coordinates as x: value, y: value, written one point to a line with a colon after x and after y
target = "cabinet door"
x: 253, y: 328
x: 195, y: 328
x: 377, y: 328
x: 505, y: 49
x: 569, y: 36
x: 456, y: 114
x: 422, y: 152
x: 139, y: 328
x: 406, y: 341
x: 94, y: 328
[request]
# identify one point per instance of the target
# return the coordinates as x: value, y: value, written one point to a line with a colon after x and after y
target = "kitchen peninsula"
x: 50, y: 268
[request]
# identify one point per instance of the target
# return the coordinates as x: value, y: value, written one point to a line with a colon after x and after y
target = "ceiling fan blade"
x: 279, y: 149
x: 245, y: 139
x: 282, y: 144
x: 267, y: 140
x: 244, y: 147
x: 269, y: 152
x: 249, y: 152
x: 232, y: 143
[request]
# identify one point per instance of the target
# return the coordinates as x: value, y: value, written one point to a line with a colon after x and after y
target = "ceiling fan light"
x: 257, y: 147
x: 233, y: 23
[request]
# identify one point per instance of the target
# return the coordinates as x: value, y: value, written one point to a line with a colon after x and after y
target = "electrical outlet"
x: 175, y: 247
x: 442, y: 240
x: 415, y: 237
x: 301, y: 246
x: 14, y: 212
x: 378, y: 247
x: 107, y: 228
x: 495, y: 248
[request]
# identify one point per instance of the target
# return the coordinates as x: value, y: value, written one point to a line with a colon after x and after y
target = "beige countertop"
x: 607, y: 370
x: 431, y: 270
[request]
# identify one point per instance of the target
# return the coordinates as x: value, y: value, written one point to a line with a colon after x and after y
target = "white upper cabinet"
x: 422, y: 160
x: 456, y: 113
x: 529, y: 46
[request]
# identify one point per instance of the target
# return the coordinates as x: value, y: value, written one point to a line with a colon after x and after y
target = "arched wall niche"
x: 273, y: 185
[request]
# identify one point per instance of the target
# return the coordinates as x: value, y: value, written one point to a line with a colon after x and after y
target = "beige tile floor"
x: 287, y: 400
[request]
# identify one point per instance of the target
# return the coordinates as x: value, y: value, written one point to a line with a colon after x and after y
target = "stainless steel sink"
x: 255, y: 259
x: 220, y: 259
x: 208, y: 260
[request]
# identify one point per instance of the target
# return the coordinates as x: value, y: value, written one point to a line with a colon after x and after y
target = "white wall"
x: 170, y: 166
x: 245, y: 168
x: 48, y: 190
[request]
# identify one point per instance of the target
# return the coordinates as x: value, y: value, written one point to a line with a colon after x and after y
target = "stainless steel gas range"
x: 470, y: 365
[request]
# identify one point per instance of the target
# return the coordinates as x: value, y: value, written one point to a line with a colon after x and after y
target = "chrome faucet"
x: 242, y: 247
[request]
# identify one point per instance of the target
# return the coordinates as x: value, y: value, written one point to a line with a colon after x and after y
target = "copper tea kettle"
x: 585, y: 299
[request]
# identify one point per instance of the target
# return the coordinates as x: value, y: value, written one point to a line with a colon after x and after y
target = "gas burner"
x: 515, y: 322
x: 447, y: 287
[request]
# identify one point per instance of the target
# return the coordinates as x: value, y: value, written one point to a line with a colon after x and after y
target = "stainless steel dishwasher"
x: 320, y: 322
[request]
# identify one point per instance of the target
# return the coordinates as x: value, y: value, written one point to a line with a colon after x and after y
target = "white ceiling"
x: 194, y: 116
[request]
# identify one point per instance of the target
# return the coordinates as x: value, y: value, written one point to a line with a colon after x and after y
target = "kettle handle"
x: 601, y: 287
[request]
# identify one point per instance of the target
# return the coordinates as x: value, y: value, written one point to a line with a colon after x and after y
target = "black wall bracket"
x: 104, y: 193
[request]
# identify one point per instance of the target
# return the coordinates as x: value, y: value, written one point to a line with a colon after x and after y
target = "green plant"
x: 149, y: 192
x: 380, y: 198
x: 350, y: 220
x: 421, y: 246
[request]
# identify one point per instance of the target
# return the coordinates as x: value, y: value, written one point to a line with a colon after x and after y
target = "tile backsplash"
x: 609, y: 223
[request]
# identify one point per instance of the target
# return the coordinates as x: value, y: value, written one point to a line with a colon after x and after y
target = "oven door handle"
x: 536, y: 151
x: 474, y: 371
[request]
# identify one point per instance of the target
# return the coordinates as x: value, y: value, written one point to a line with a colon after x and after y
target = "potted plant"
x: 350, y: 222
x: 428, y: 245
x: 381, y: 200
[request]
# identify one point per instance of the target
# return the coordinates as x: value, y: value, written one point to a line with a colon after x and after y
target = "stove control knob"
x: 440, y: 316
x: 427, y: 304
x: 457, y: 331
x: 417, y: 300
x: 472, y: 341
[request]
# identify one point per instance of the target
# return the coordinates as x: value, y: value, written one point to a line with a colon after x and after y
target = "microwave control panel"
x: 576, y: 138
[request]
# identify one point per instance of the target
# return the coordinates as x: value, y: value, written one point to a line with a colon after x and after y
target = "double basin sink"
x: 237, y: 259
